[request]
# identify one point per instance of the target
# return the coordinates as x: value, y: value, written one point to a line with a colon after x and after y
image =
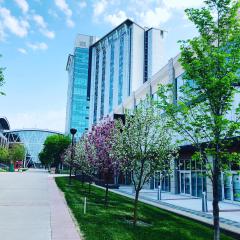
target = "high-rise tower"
x: 77, y: 115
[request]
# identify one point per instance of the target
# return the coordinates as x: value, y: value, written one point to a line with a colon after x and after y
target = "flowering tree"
x: 99, y: 143
x: 82, y: 160
x: 143, y: 146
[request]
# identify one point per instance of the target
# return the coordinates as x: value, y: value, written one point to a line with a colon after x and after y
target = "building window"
x: 111, y: 78
x: 145, y: 56
x: 103, y: 82
x: 120, y: 78
x: 96, y: 88
x: 192, y: 179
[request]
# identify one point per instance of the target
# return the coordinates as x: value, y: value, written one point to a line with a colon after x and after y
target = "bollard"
x: 85, y: 205
x: 159, y: 193
x: 206, y: 206
x: 204, y: 202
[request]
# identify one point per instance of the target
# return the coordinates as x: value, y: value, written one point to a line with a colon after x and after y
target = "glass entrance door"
x: 236, y: 187
x: 185, y: 182
x: 232, y: 187
x: 165, y: 181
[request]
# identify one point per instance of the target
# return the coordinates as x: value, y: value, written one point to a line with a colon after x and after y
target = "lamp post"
x: 73, y: 131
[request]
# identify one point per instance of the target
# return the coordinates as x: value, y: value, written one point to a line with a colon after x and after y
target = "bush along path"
x: 115, y: 221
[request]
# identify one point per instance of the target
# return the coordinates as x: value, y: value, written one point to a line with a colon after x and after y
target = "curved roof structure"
x: 33, y: 140
x: 33, y: 129
x: 4, y: 124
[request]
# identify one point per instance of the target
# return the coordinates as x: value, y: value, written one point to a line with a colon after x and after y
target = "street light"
x: 73, y: 131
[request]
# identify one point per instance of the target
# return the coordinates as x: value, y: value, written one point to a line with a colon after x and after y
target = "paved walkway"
x: 32, y: 208
x: 190, y: 207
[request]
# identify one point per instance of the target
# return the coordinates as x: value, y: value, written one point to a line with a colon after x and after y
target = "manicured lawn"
x: 112, y: 223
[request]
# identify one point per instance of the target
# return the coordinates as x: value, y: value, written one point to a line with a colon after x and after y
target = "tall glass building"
x: 121, y: 61
x: 77, y: 115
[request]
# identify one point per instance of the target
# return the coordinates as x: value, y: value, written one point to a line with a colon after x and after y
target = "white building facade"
x: 121, y: 62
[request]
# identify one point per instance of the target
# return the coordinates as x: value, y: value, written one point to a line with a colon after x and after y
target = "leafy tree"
x: 16, y: 153
x: 4, y: 154
x: 99, y: 143
x: 53, y: 149
x: 44, y: 159
x: 202, y: 115
x: 81, y: 161
x: 1, y: 79
x: 143, y: 146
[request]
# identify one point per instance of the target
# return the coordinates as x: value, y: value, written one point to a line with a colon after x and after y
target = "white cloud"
x: 182, y: 4
x: 52, y: 120
x: 151, y: 13
x: 70, y: 23
x: 22, y: 50
x: 82, y: 4
x: 99, y: 7
x: 47, y: 33
x: 154, y: 18
x: 53, y: 13
x: 38, y: 46
x: 23, y: 5
x: 63, y: 6
x: 39, y: 20
x: 2, y: 33
x: 117, y: 18
x: 14, y: 25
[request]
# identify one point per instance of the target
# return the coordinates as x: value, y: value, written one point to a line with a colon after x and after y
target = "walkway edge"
x: 63, y: 223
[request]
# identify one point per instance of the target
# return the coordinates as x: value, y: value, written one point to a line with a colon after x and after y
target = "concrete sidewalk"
x: 32, y: 208
x: 189, y: 207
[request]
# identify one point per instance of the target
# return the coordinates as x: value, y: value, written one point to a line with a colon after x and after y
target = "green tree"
x: 201, y: 116
x: 1, y: 79
x: 16, y: 153
x: 53, y: 149
x: 4, y: 154
x: 143, y: 145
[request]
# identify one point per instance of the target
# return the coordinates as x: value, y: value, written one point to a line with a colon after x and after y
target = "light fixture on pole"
x: 73, y: 131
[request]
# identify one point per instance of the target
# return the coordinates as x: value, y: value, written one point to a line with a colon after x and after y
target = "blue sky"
x: 36, y: 37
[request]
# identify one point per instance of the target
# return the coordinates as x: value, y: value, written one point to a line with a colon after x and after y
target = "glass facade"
x: 111, y: 78
x: 80, y: 103
x: 191, y: 177
x: 120, y: 77
x: 78, y: 99
x: 96, y: 88
x: 32, y: 140
x: 165, y: 185
x: 231, y: 189
x: 103, y: 82
x: 4, y: 125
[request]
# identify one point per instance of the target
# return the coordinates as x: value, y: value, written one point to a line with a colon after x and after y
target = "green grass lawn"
x: 112, y: 223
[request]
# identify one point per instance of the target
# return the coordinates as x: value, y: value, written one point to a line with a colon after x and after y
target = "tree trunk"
x: 215, y: 205
x: 83, y: 178
x: 106, y: 195
x: 70, y: 176
x: 135, y: 207
x: 89, y: 187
